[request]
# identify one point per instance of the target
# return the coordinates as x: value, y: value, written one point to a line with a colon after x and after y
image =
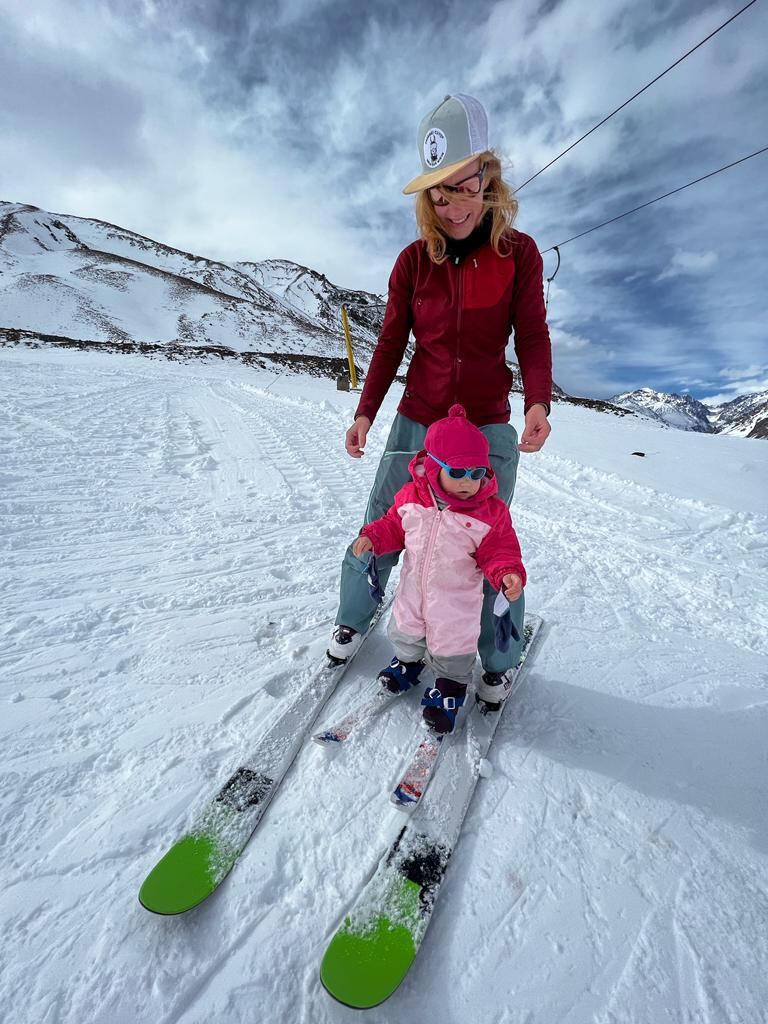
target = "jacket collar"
x: 457, y: 248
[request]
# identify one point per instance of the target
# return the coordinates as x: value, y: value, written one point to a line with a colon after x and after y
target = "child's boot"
x: 399, y: 676
x: 441, y: 704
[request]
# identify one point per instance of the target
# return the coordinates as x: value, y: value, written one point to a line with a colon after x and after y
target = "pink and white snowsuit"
x: 447, y: 553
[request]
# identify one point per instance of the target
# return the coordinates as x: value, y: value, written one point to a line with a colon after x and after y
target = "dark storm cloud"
x: 249, y: 43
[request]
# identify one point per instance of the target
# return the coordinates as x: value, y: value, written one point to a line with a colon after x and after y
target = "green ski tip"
x: 186, y: 875
x: 363, y: 965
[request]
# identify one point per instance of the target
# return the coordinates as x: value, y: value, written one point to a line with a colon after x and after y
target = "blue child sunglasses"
x: 477, y: 473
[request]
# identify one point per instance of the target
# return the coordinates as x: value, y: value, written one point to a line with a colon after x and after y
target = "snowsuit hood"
x: 457, y: 442
x: 425, y: 474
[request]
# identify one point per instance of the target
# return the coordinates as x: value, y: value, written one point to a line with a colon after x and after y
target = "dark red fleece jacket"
x: 462, y: 313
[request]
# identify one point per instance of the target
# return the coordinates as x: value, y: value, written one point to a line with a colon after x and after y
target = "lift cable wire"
x: 650, y: 202
x: 553, y: 275
x: 627, y: 102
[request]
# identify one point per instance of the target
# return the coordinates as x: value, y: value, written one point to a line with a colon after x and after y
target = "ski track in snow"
x: 171, y: 538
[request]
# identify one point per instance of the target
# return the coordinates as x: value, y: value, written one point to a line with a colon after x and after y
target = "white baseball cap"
x: 450, y: 137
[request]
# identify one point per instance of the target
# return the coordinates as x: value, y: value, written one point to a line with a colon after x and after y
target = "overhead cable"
x: 627, y: 102
x: 656, y: 200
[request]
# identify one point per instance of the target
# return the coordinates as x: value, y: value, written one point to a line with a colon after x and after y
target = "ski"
x: 358, y: 717
x: 379, y: 938
x: 424, y: 759
x: 201, y: 859
x: 418, y: 772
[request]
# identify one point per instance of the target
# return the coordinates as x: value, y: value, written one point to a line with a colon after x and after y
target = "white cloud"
x: 688, y: 263
x: 729, y: 394
x: 565, y: 341
x: 737, y: 381
x: 746, y: 373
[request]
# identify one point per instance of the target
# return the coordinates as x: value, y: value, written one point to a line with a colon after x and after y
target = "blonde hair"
x: 497, y: 196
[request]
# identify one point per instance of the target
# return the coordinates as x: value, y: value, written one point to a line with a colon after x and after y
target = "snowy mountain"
x: 679, y: 411
x: 313, y: 294
x: 746, y: 416
x: 75, y: 277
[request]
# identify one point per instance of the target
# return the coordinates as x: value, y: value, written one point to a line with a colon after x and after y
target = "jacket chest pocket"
x: 488, y: 282
x: 433, y: 314
x: 462, y: 536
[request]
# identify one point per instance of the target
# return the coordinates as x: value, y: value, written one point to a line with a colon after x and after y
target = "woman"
x: 469, y: 282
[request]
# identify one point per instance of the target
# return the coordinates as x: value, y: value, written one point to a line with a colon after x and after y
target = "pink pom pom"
x: 457, y: 410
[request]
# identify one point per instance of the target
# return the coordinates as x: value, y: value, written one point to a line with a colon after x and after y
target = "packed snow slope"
x: 171, y: 537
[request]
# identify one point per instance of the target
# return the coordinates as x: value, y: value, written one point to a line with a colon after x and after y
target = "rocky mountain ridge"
x: 746, y: 416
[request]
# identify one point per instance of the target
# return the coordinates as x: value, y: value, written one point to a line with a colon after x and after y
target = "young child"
x: 454, y: 531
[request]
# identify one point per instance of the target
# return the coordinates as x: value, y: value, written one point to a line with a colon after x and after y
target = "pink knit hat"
x: 457, y: 441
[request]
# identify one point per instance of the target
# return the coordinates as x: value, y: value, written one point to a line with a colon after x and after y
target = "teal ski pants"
x: 356, y: 606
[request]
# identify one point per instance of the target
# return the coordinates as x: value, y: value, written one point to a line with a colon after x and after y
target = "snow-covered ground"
x: 170, y: 541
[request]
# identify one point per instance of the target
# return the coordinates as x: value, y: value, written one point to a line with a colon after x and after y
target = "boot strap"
x: 434, y: 699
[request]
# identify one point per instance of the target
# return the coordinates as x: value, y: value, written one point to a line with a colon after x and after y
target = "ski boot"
x: 492, y: 690
x: 400, y: 676
x: 441, y: 704
x: 344, y: 642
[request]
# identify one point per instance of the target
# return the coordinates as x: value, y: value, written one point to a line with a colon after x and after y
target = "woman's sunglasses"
x: 467, y: 186
x: 458, y: 474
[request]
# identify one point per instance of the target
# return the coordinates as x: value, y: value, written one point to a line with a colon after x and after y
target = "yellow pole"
x: 350, y: 357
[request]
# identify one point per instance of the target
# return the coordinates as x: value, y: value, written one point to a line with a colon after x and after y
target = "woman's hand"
x: 513, y: 586
x: 361, y: 545
x: 537, y: 429
x: 354, y: 439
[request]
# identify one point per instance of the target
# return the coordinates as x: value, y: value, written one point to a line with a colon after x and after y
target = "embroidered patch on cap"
x: 435, y: 146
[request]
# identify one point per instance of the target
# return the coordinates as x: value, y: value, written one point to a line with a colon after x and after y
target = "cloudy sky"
x: 246, y: 130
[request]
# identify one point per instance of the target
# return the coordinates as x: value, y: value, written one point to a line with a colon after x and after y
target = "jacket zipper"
x: 428, y: 552
x: 458, y: 332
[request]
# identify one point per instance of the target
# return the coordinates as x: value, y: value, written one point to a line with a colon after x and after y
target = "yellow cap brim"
x: 435, y: 177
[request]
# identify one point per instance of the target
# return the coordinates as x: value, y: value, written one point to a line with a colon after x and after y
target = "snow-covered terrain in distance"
x: 746, y: 416
x: 171, y: 538
x: 86, y: 279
